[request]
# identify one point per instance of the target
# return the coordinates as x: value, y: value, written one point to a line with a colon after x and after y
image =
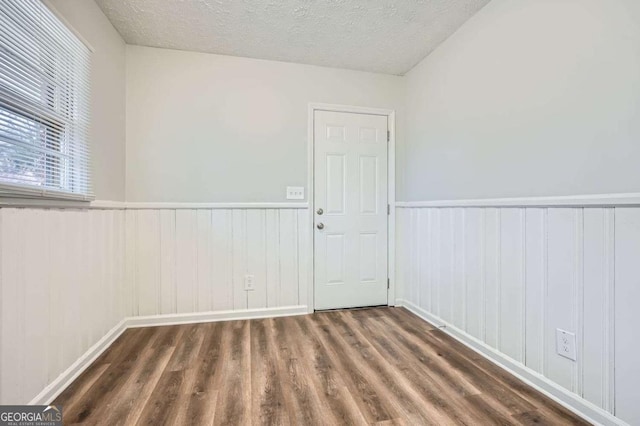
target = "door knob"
x: 320, y: 211
x: 320, y: 225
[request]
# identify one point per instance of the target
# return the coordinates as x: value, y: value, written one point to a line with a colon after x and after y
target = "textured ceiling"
x: 386, y: 36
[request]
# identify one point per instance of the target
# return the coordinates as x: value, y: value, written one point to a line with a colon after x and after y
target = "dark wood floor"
x: 369, y: 366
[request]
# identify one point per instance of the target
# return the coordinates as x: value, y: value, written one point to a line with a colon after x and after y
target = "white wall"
x: 107, y: 132
x: 528, y: 98
x: 509, y: 277
x: 211, y: 128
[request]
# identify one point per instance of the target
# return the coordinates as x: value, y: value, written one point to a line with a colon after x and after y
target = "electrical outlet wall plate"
x: 249, y: 283
x: 566, y: 344
x: 295, y: 192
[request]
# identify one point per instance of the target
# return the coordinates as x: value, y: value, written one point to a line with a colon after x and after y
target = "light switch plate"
x: 566, y: 344
x: 295, y: 192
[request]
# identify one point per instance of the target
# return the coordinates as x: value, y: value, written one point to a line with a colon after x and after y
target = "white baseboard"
x: 197, y: 317
x: 56, y: 387
x: 567, y: 399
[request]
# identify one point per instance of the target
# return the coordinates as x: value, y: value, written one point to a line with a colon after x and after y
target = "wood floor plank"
x: 304, y: 403
x: 430, y: 342
x: 203, y: 396
x: 326, y: 377
x: 437, y: 389
x: 268, y: 400
x: 74, y: 394
x: 99, y: 397
x: 382, y: 366
x: 408, y: 401
x: 233, y: 406
x: 421, y: 359
x: 161, y: 408
x: 128, y: 406
x: 366, y: 394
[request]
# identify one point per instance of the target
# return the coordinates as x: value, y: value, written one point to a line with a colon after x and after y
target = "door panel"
x: 351, y: 190
x: 336, y: 185
x: 368, y: 185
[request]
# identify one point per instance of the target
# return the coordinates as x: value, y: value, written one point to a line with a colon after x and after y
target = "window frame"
x: 66, y: 169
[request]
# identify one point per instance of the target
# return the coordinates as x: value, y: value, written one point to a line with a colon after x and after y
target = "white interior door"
x: 350, y: 217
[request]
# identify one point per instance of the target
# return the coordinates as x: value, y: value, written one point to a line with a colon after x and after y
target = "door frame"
x: 391, y: 191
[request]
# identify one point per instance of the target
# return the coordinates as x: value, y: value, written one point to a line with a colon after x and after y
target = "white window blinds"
x: 44, y: 105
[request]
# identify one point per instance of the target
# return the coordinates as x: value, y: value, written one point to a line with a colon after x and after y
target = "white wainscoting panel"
x: 72, y: 279
x: 195, y: 260
x: 61, y: 290
x: 627, y: 315
x: 510, y: 276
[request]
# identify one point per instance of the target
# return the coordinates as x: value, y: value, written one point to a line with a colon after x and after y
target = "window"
x: 44, y: 105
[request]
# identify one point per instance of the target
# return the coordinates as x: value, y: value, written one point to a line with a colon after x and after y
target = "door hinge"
x: 388, y: 135
x: 388, y: 209
x: 388, y: 283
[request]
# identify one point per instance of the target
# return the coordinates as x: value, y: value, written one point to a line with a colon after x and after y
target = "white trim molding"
x: 55, y: 388
x: 567, y: 399
x: 596, y: 200
x: 214, y: 316
x: 213, y: 206
x: 127, y: 205
x: 391, y: 189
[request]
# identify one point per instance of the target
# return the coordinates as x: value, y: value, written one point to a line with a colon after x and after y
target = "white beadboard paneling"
x: 12, y: 345
x: 257, y: 258
x: 56, y: 267
x: 131, y: 300
x: 59, y: 292
x: 304, y: 246
x: 272, y: 241
x: 288, y: 290
x: 492, y: 277
x: 204, y: 292
x: 446, y: 264
x: 88, y: 234
x: 222, y: 264
x: 608, y: 366
x: 72, y: 287
x: 535, y: 276
x: 186, y: 260
x: 560, y: 302
x: 434, y: 259
x: 474, y: 271
x: 627, y: 298
x: 167, y: 296
x: 148, y: 261
x: 98, y: 266
x: 239, y: 257
x: 512, y: 291
x: 401, y: 252
x: 36, y: 312
x: 522, y: 272
x: 597, y: 257
x: 424, y: 267
x: 458, y: 288
x: 414, y: 253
